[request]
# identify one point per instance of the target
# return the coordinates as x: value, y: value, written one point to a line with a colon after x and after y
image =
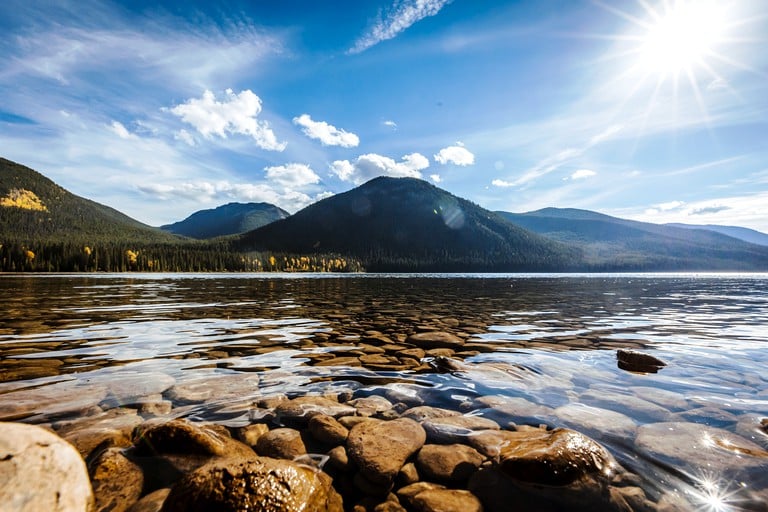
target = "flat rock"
x: 370, y: 405
x: 215, y: 387
x: 596, y: 421
x: 670, y: 399
x: 425, y: 412
x: 281, y: 443
x: 301, y: 409
x: 128, y: 387
x: 625, y: 403
x: 514, y: 409
x: 446, y: 500
x: 61, y: 399
x: 117, y: 481
x: 448, y: 463
x: 41, y: 471
x: 455, y: 429
x: 435, y: 339
x: 262, y: 483
x: 380, y: 449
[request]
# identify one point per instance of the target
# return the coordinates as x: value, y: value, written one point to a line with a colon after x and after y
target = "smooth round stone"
x: 598, y: 422
x: 117, y: 481
x: 112, y: 428
x: 435, y: 339
x: 328, y: 430
x: 625, y: 403
x: 219, y: 387
x: 663, y: 397
x: 281, y: 443
x: 555, y: 457
x: 380, y: 448
x: 261, y: 483
x: 127, y: 387
x: 186, y: 438
x: 301, y: 409
x: 455, y: 429
x: 250, y: 434
x: 370, y: 405
x: 446, y: 500
x: 448, y: 463
x: 699, y: 446
x: 64, y: 398
x: 425, y: 412
x: 41, y: 471
x: 514, y: 409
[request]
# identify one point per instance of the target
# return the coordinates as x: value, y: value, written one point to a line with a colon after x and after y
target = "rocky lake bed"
x: 366, y: 394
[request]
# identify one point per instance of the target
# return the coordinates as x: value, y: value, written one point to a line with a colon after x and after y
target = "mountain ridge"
x: 228, y: 219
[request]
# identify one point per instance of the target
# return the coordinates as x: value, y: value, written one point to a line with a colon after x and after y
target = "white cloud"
x: 436, y: 178
x: 582, y: 174
x: 327, y: 134
x: 121, y: 131
x: 184, y: 136
x: 292, y: 175
x: 211, y: 192
x: 457, y: 155
x: 237, y: 114
x: 371, y: 165
x: 405, y: 13
x: 502, y: 183
x: 391, y: 124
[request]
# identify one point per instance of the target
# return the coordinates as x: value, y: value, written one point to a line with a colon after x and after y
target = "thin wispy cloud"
x: 403, y: 14
x: 327, y: 134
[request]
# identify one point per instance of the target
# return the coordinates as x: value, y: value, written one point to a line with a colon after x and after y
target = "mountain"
x: 229, y: 219
x: 35, y: 209
x: 610, y: 243
x: 394, y: 224
x: 748, y: 235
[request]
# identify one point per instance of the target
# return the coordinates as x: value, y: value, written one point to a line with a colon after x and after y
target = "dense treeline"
x: 122, y: 257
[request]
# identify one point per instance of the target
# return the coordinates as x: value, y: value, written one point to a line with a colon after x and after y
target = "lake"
x: 517, y: 349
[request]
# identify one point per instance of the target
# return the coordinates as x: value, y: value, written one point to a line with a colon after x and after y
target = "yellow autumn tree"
x: 132, y: 256
x: 24, y: 199
x: 87, y: 250
x: 29, y: 255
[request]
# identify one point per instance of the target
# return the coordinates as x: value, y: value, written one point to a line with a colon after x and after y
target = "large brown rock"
x: 380, y: 448
x: 184, y: 437
x: 446, y: 500
x: 41, y: 471
x: 262, y: 483
x: 281, y: 443
x: 555, y: 457
x: 448, y: 463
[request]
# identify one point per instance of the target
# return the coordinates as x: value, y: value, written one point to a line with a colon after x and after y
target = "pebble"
x: 327, y: 429
x: 281, y: 443
x: 380, y: 449
x: 452, y: 463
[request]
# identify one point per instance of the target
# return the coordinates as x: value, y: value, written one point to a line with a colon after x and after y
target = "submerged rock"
x: 117, y: 481
x: 183, y: 437
x: 633, y: 361
x: 301, y: 409
x: 41, y: 471
x: 380, y: 448
x: 435, y: 339
x: 448, y: 463
x: 260, y: 483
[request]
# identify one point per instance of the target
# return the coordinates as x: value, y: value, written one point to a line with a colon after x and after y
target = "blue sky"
x: 654, y: 110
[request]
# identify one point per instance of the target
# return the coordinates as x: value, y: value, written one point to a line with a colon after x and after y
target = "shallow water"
x: 548, y: 339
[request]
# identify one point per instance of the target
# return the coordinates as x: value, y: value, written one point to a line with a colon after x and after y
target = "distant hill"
x: 35, y: 209
x: 394, y: 224
x: 610, y: 243
x: 229, y: 219
x: 748, y: 235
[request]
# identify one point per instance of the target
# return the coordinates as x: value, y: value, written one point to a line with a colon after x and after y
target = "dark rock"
x: 250, y: 434
x: 633, y: 361
x: 264, y: 484
x: 338, y: 459
x: 448, y: 463
x: 379, y: 449
x: 41, y: 471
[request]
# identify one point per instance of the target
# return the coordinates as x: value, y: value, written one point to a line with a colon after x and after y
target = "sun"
x: 681, y: 36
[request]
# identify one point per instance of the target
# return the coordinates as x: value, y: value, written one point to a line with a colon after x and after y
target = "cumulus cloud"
x: 327, y: 134
x: 457, y: 155
x: 371, y: 165
x: 292, y: 175
x: 582, y: 174
x: 404, y: 14
x: 236, y: 114
x: 436, y: 178
x: 219, y: 191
